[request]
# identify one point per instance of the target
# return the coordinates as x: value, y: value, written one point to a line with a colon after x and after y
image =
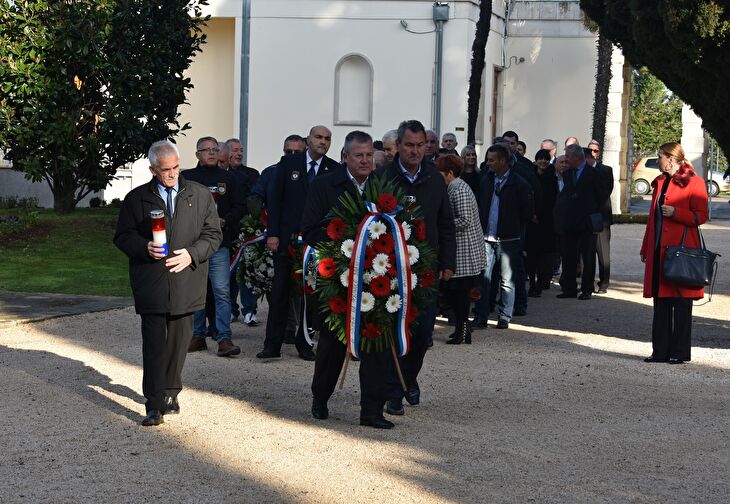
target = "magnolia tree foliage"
x: 86, y: 86
x: 685, y: 43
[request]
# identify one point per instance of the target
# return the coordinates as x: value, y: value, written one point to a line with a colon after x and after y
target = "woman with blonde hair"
x: 470, y: 173
x: 679, y: 202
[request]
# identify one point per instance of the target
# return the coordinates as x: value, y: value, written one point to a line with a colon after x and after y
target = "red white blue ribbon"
x: 236, y: 257
x: 307, y: 256
x: 355, y: 280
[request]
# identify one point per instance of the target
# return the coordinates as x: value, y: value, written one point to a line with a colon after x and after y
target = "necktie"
x: 312, y: 172
x: 170, y: 208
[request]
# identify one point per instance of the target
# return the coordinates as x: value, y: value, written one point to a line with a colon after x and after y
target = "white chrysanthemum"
x: 367, y: 277
x: 344, y: 280
x: 413, y: 254
x: 367, y: 302
x: 376, y: 229
x: 406, y: 230
x: 381, y: 264
x: 312, y: 281
x: 347, y: 247
x: 270, y: 272
x: 393, y: 303
x: 394, y: 284
x: 262, y: 266
x: 414, y: 280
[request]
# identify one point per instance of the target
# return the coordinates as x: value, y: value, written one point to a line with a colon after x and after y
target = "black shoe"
x: 172, y: 407
x: 585, y: 296
x: 154, y: 417
x: 319, y: 410
x: 567, y: 295
x: 376, y: 422
x: 519, y: 312
x: 394, y: 407
x: 533, y: 293
x: 478, y: 323
x: 654, y: 359
x: 306, y: 353
x: 602, y: 290
x: 413, y: 396
x: 676, y: 361
x: 268, y: 354
x: 502, y: 324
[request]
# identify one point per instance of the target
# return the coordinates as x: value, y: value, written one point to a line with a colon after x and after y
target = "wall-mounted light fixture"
x: 516, y: 59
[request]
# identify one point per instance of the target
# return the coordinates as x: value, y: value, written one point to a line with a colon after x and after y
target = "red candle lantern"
x: 159, y: 234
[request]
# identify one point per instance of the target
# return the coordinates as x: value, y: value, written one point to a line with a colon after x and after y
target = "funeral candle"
x: 214, y: 192
x: 159, y: 235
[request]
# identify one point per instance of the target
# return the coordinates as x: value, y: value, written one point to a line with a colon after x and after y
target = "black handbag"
x: 689, y: 266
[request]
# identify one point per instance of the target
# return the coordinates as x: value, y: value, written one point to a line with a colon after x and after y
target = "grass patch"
x: 68, y: 254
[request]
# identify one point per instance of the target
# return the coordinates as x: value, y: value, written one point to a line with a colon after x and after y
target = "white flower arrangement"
x: 393, y: 303
x: 367, y: 302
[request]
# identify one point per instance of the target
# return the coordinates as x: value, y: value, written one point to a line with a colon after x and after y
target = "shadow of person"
x: 74, y: 376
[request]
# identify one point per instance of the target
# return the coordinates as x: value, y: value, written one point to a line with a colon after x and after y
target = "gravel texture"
x: 559, y: 408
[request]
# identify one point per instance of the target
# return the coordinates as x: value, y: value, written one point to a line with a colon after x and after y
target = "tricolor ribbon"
x: 355, y: 279
x: 307, y: 257
x: 236, y: 257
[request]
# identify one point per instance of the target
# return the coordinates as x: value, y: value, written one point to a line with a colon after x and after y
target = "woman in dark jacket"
x: 679, y: 202
x: 470, y: 173
x: 541, y: 243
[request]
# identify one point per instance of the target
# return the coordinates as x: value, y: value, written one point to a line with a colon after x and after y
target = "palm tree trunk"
x: 603, y: 82
x: 478, y: 50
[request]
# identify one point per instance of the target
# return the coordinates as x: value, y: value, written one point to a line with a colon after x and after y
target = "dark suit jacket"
x: 324, y: 195
x: 289, y: 193
x: 578, y: 199
x: 514, y: 205
x: 607, y: 209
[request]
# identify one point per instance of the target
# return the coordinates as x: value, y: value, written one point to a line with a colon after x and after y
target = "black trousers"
x: 671, y: 329
x: 540, y: 269
x: 412, y: 362
x: 165, y: 341
x: 575, y: 245
x: 279, y: 302
x: 331, y: 355
x: 603, y: 249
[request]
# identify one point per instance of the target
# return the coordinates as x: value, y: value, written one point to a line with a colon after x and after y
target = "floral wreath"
x: 377, y: 272
x: 254, y: 260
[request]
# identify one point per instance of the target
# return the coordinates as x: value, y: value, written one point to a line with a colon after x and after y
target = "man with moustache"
x: 228, y: 200
x: 236, y: 161
x: 168, y: 288
x: 294, y: 174
x: 420, y: 180
x: 323, y: 196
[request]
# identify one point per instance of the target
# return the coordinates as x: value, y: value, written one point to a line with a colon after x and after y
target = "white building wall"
x: 550, y: 94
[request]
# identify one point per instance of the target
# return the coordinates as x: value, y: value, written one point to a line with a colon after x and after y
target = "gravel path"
x: 558, y: 409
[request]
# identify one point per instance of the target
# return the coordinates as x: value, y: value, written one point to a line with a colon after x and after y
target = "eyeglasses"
x: 209, y: 150
x: 595, y: 150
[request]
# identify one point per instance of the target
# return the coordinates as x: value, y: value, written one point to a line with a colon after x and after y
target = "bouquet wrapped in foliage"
x: 375, y: 273
x: 255, y: 261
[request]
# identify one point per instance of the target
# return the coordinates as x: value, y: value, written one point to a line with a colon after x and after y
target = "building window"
x: 354, y: 91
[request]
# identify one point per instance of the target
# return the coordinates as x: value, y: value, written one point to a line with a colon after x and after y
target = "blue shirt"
x: 493, y: 219
x: 411, y: 178
x: 162, y: 190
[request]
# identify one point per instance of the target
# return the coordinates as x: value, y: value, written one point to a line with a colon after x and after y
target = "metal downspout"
x: 245, y: 53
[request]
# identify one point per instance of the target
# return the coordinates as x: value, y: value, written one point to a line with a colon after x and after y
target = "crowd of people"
x: 502, y: 230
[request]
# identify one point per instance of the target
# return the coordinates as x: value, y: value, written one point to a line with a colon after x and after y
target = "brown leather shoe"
x: 197, y: 344
x: 226, y: 348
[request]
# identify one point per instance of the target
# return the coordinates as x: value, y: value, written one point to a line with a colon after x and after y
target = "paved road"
x: 720, y: 209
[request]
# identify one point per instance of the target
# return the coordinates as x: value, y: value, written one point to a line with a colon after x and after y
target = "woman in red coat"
x: 679, y: 200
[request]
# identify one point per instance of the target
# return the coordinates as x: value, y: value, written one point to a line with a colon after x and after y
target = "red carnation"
x: 337, y: 304
x: 411, y: 314
x: 426, y: 279
x: 371, y: 331
x: 336, y: 229
x: 419, y: 230
x: 380, y: 286
x: 370, y: 252
x: 327, y: 267
x: 387, y: 203
x: 384, y: 244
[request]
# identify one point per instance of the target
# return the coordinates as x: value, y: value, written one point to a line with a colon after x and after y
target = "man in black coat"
x: 578, y: 205
x: 324, y: 195
x: 228, y: 199
x: 293, y: 176
x: 504, y: 209
x: 603, y: 239
x: 423, y: 183
x: 167, y: 289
